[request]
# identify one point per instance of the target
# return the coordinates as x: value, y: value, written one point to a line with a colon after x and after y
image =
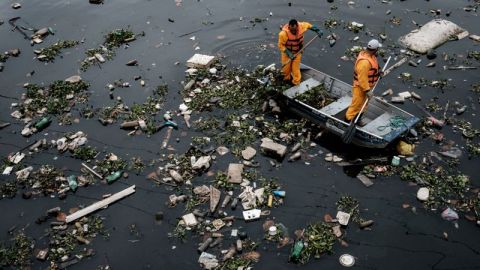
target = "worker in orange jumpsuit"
x: 290, y: 42
x: 366, y: 74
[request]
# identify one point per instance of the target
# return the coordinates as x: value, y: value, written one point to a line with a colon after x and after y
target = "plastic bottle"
x: 395, y: 161
x: 205, y: 245
x: 297, y: 249
x: 270, y: 201
x: 233, y: 206
x: 113, y: 177
x: 43, y: 123
x: 72, y: 182
x: 279, y: 193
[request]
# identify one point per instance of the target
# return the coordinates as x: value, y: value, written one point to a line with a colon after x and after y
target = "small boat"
x: 384, y: 121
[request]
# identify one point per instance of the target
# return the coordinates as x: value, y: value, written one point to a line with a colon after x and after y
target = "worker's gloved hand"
x: 317, y: 30
x: 381, y: 73
x: 289, y: 54
x: 369, y: 94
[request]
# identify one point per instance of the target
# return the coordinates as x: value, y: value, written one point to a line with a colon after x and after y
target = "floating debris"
x: 113, y: 40
x: 317, y: 239
x: 49, y: 53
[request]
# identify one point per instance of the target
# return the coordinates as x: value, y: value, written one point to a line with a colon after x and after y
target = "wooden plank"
x: 100, y: 204
x: 92, y: 171
x: 399, y: 63
x: 301, y: 88
x: 365, y: 180
x: 214, y: 198
x: 337, y: 106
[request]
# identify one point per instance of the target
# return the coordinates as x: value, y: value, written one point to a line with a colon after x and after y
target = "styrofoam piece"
x: 405, y: 94
x: 252, y: 214
x: 343, y: 218
x: 431, y: 35
x: 200, y: 60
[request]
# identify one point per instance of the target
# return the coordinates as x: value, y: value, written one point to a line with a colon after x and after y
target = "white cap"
x: 374, y: 44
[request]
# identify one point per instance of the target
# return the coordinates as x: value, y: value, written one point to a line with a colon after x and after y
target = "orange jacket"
x: 287, y: 40
x: 366, y: 73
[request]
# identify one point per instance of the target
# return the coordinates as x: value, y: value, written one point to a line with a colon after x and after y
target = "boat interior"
x: 376, y: 117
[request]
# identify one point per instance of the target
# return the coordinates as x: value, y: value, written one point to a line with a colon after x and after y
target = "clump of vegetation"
x: 317, y: 97
x: 476, y: 87
x: 47, y: 179
x: 145, y: 111
x: 473, y: 149
x: 318, y: 239
x: 439, y: 84
x: 444, y: 185
x: 433, y: 107
x: 474, y: 54
x: 49, y: 53
x: 330, y: 23
x: 235, y: 263
x: 161, y: 91
x: 8, y: 189
x: 221, y: 181
x: 111, y: 164
x: 466, y: 128
x: 353, y: 52
x: 395, y: 20
x: 85, y: 152
x: 137, y: 164
x: 3, y: 57
x: 232, y: 89
x: 68, y: 242
x: 118, y: 37
x: 53, y: 99
x: 351, y: 206
x: 237, y: 135
x: 200, y: 141
x: 18, y: 253
x: 184, y: 162
x: 207, y: 124
x: 113, y: 40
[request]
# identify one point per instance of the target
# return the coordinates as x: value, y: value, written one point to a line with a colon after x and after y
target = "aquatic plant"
x: 49, y: 53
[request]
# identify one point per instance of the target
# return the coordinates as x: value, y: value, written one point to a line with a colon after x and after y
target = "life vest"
x: 294, y: 42
x: 373, y: 72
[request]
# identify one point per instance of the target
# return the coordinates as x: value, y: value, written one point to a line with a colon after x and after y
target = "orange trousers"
x: 358, y: 98
x: 292, y: 69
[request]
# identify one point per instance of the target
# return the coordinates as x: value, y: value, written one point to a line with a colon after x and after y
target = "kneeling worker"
x: 365, y: 75
x: 290, y: 42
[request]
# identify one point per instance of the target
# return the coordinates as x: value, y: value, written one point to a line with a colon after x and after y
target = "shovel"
x: 350, y: 132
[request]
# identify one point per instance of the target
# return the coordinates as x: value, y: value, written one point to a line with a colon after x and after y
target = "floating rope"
x: 394, y: 123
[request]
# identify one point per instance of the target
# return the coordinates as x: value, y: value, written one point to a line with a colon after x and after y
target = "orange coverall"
x: 359, y: 92
x: 293, y: 68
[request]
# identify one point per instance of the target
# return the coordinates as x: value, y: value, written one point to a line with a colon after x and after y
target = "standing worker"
x: 290, y: 42
x: 365, y: 75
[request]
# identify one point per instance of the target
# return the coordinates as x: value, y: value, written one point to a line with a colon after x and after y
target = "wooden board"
x: 301, y: 88
x: 100, y: 204
x: 337, y: 106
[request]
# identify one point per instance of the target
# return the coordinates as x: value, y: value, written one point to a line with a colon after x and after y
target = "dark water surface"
x: 400, y: 239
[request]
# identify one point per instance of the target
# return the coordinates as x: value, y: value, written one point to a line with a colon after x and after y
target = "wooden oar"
x: 350, y: 132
